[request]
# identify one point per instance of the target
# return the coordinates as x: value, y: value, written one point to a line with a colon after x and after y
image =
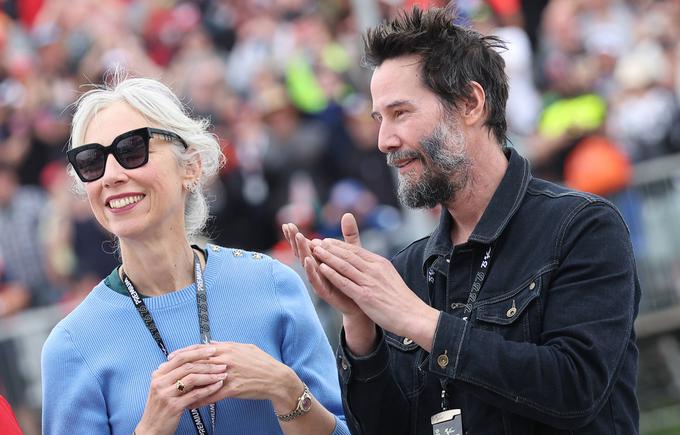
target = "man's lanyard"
x: 479, y: 279
x: 203, y: 323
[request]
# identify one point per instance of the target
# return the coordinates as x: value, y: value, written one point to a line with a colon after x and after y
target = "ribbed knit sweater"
x: 97, y: 362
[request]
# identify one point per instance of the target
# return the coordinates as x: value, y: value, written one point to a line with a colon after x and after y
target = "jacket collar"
x: 503, y: 205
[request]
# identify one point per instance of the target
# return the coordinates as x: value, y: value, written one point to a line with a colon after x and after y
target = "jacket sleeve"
x: 591, y: 303
x: 72, y: 399
x: 373, y: 402
x: 305, y: 346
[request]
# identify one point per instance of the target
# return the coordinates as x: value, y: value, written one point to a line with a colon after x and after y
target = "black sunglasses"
x: 131, y: 150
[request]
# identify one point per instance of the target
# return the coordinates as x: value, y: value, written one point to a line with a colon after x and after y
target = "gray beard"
x: 435, y: 185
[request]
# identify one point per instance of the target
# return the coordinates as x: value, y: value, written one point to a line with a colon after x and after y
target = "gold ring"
x: 180, y: 386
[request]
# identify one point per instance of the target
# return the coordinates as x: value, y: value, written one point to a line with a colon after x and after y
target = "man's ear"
x: 473, y: 105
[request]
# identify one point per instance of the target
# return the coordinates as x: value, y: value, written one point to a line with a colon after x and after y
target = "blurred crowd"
x: 595, y: 86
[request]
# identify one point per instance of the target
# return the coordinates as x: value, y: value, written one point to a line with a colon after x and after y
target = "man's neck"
x: 467, y: 209
x: 157, y: 267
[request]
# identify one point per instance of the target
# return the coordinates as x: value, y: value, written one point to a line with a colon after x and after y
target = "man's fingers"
x: 350, y: 229
x: 340, y: 263
x: 336, y: 246
x: 338, y: 280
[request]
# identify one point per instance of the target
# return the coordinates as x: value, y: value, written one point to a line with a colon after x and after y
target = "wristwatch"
x: 304, y: 404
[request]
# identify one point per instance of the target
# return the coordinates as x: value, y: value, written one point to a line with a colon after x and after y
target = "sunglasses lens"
x: 132, y: 151
x: 90, y: 163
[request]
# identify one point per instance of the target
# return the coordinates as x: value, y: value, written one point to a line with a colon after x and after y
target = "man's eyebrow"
x: 375, y: 114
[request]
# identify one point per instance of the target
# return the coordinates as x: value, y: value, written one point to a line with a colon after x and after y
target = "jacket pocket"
x: 405, y: 356
x: 515, y: 314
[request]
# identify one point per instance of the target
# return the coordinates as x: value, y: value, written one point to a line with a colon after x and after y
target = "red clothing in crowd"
x: 28, y: 10
x: 8, y: 423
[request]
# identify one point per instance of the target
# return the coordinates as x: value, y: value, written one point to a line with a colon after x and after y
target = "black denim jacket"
x: 549, y: 347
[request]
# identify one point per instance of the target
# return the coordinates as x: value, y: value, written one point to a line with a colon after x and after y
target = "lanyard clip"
x: 445, y: 398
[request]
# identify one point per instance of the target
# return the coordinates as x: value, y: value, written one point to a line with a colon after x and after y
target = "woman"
x: 177, y: 339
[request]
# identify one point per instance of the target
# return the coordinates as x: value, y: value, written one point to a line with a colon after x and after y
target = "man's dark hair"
x: 452, y: 56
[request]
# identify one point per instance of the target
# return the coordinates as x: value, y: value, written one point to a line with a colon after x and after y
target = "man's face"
x: 424, y: 141
x: 444, y: 168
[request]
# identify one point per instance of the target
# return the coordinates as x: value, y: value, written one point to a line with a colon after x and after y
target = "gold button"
x: 343, y: 364
x: 407, y: 341
x: 532, y: 286
x: 443, y: 360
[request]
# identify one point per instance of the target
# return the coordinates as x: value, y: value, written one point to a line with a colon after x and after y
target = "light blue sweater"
x: 97, y: 362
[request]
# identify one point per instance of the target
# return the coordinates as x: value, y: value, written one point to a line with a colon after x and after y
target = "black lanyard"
x: 203, y: 323
x: 479, y: 279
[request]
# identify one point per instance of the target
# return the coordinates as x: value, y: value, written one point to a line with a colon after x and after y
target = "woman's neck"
x: 158, y: 267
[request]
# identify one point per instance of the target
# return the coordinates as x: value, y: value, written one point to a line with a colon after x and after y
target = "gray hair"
x: 157, y: 103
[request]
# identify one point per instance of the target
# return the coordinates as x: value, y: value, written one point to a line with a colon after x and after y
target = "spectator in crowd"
x: 14, y: 297
x: 20, y: 210
x: 275, y: 357
x: 525, y: 287
x: 8, y: 422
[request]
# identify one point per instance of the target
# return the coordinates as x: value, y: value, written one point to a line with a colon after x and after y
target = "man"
x: 518, y: 309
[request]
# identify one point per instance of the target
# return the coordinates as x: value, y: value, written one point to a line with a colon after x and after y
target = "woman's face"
x: 141, y: 203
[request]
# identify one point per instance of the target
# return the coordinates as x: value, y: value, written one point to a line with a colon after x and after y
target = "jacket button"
x: 511, y: 312
x: 532, y: 286
x: 443, y: 360
x: 343, y: 364
x: 407, y: 341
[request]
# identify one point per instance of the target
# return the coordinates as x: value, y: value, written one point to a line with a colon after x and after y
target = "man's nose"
x: 388, y: 140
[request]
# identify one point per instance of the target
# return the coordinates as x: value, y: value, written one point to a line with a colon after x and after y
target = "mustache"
x: 395, y: 156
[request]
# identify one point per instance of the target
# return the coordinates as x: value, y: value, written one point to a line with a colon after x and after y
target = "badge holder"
x: 449, y: 422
